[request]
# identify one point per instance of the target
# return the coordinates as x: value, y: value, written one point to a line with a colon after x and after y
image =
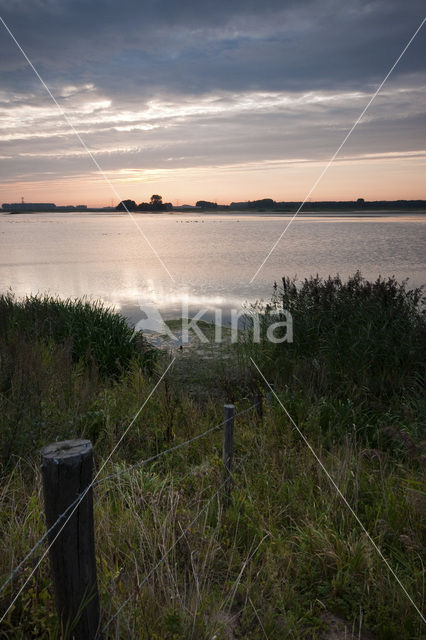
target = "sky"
x: 229, y: 100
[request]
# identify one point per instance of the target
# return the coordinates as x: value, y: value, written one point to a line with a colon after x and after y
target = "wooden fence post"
x: 258, y: 398
x: 270, y: 398
x: 67, y: 472
x: 228, y: 445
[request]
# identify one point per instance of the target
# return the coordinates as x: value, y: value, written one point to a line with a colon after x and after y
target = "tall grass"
x: 95, y: 334
x: 285, y: 547
x: 350, y: 337
x: 56, y: 359
x: 285, y: 554
x: 358, y: 348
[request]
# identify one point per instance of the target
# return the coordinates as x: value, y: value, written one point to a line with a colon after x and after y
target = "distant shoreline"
x: 237, y: 212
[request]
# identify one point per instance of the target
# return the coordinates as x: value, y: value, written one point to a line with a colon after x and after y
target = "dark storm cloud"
x: 142, y: 48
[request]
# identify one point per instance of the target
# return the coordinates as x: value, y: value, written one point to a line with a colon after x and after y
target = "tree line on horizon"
x: 155, y: 204
x: 268, y: 204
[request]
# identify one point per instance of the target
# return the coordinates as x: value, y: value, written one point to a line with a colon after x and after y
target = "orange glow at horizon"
x: 372, y: 179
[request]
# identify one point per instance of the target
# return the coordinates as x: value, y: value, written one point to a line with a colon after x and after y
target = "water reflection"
x: 212, y: 258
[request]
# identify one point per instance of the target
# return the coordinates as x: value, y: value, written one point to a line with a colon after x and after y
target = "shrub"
x: 355, y: 337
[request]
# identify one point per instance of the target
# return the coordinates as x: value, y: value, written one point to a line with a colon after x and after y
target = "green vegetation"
x: 95, y: 334
x: 286, y: 553
x: 355, y: 337
x: 56, y: 356
x: 356, y: 344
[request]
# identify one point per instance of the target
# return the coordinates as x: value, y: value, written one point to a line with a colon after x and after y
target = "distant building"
x: 29, y: 206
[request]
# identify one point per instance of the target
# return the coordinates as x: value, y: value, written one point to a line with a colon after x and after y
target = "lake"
x: 211, y: 257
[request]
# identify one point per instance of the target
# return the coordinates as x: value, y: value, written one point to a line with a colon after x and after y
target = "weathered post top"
x: 66, y: 450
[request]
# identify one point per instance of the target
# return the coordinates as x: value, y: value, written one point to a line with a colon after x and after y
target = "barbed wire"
x: 176, y: 447
x: 87, y: 489
x: 96, y: 483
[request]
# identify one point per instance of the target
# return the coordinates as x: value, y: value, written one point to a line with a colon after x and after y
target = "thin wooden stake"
x: 258, y: 398
x: 67, y: 471
x: 228, y: 445
x: 270, y: 398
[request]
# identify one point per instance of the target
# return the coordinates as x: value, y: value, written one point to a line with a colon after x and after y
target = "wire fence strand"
x: 21, y: 565
x: 86, y: 490
x: 110, y: 476
x: 178, y: 539
x: 175, y: 448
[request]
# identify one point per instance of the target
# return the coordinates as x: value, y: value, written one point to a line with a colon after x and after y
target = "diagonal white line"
x: 116, y: 474
x: 87, y: 489
x: 333, y: 157
x: 306, y: 441
x: 164, y: 556
x: 85, y: 147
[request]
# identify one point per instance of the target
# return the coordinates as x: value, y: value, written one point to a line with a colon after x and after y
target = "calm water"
x: 211, y: 258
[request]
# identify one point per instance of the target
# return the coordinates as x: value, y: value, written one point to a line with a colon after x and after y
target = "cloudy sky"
x: 224, y: 100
